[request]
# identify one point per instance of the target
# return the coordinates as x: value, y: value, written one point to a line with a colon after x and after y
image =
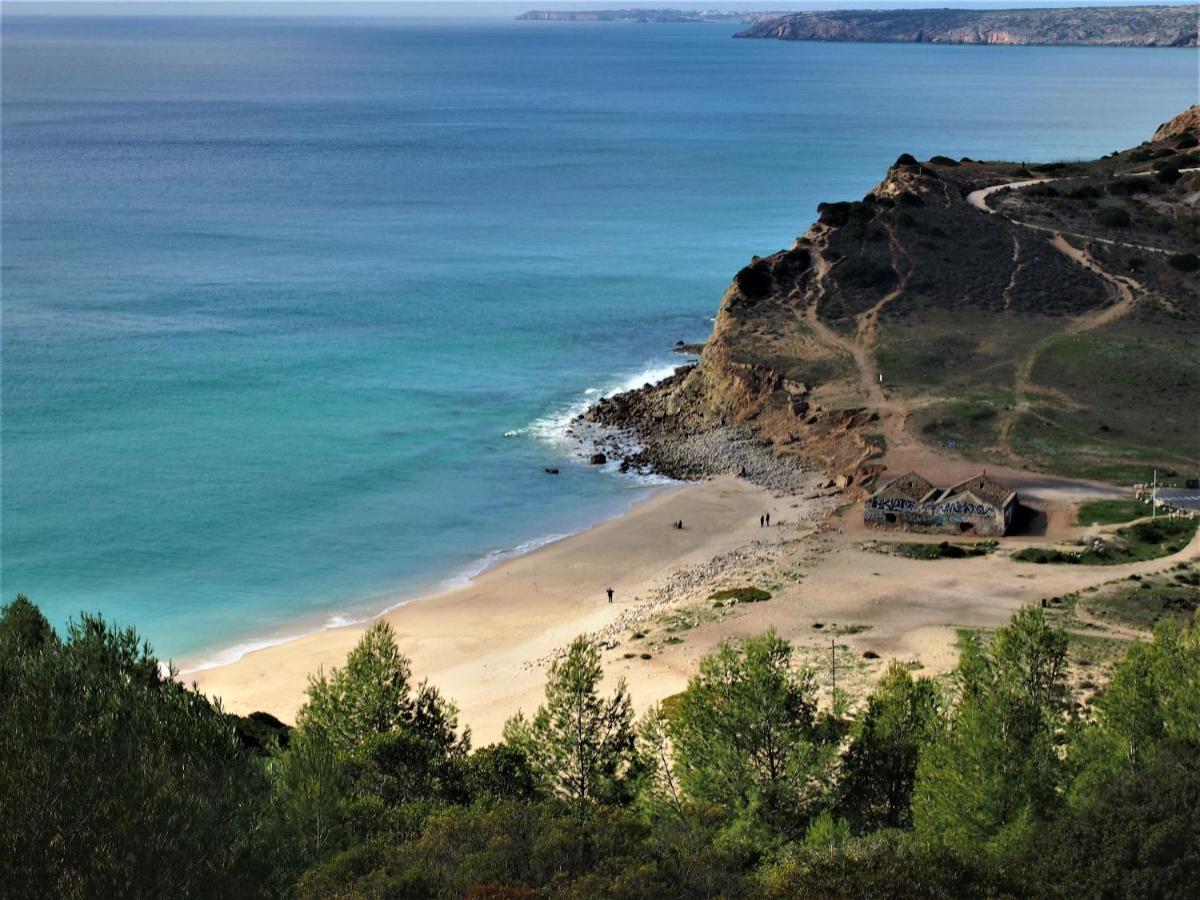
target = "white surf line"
x: 978, y: 199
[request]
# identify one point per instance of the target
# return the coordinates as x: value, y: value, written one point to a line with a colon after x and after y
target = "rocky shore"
x: 646, y: 431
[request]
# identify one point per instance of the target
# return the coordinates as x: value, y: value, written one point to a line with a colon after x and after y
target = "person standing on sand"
x: 610, y: 593
x: 768, y: 520
x: 760, y: 521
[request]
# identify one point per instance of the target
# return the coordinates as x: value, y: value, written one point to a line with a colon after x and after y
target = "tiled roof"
x: 910, y: 485
x: 982, y: 486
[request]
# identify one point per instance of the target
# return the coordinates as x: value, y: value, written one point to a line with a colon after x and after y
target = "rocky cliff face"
x: 919, y: 315
x: 1144, y: 26
x: 1186, y: 122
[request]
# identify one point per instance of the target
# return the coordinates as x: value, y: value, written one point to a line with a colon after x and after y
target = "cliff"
x: 1140, y: 26
x: 1044, y: 316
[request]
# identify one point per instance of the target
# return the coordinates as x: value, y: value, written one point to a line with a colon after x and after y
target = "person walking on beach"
x: 768, y: 520
x: 760, y: 521
x: 610, y: 593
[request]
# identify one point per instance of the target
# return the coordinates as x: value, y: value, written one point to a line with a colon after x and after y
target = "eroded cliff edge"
x: 1053, y: 325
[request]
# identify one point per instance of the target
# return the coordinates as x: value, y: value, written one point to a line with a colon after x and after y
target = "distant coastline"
x: 1140, y: 26
x: 1114, y: 26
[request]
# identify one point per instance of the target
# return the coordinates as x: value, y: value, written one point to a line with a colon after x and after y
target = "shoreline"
x: 486, y: 644
x: 554, y: 429
x: 461, y: 577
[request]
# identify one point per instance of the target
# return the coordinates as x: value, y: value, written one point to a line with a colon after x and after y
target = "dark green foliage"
x: 1184, y: 262
x: 894, y: 865
x: 754, y: 281
x: 1114, y: 217
x: 732, y: 790
x: 1127, y: 187
x: 116, y: 781
x: 994, y: 770
x: 859, y: 272
x: 1137, y: 837
x: 579, y: 744
x: 842, y: 213
x: 745, y: 733
x: 880, y: 765
x: 261, y: 732
x: 23, y: 628
x: 905, y: 159
x: 943, y: 161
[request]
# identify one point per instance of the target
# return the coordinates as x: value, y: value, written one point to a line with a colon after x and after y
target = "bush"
x: 864, y: 273
x: 943, y: 161
x: 1114, y: 217
x: 1127, y: 187
x: 905, y: 159
x: 742, y: 595
x: 754, y: 281
x: 837, y: 215
x: 1184, y: 262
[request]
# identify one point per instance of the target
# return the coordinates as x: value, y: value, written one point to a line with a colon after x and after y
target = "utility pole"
x: 1154, y: 494
x: 833, y: 664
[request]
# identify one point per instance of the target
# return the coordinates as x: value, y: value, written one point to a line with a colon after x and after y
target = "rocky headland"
x: 1037, y: 316
x: 1124, y: 26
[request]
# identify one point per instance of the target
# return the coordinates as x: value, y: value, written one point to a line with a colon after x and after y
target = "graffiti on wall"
x: 933, y: 512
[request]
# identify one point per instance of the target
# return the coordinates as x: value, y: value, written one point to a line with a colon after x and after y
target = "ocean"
x: 295, y: 311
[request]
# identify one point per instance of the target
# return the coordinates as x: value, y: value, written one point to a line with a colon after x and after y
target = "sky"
x: 490, y: 8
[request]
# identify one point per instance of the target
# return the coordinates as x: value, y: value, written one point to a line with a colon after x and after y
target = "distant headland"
x: 1125, y: 26
x: 1112, y: 26
x: 647, y: 15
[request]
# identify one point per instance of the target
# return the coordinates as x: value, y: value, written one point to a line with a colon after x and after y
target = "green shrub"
x: 1184, y: 262
x: 1114, y: 217
x: 741, y: 595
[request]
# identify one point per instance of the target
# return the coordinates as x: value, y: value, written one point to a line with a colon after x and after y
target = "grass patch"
x: 732, y: 596
x: 1144, y: 603
x: 842, y: 630
x: 1135, y: 543
x: 943, y: 550
x: 1110, y: 512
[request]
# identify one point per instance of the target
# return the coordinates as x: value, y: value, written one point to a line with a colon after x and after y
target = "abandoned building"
x: 979, y: 505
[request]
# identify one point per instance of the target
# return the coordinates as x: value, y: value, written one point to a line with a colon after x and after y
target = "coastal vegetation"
x: 1135, y: 543
x: 1039, y: 315
x: 993, y: 782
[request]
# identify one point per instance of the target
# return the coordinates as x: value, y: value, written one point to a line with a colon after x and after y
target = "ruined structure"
x: 979, y: 505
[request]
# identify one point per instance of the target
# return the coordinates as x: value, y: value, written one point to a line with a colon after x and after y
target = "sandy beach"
x: 485, y: 645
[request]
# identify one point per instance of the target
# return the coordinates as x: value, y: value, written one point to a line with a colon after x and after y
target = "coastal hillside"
x: 640, y: 15
x: 1045, y: 316
x: 1137, y: 26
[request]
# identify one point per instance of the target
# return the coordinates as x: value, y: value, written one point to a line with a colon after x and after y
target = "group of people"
x: 764, y: 521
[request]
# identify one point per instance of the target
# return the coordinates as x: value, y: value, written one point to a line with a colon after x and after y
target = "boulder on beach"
x: 598, y: 459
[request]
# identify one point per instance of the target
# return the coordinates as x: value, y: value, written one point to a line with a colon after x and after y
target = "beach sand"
x: 488, y: 645
x: 481, y: 644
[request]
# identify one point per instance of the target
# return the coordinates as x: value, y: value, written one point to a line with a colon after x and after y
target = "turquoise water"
x: 276, y: 290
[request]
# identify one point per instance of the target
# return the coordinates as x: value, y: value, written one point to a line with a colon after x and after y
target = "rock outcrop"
x: 915, y: 315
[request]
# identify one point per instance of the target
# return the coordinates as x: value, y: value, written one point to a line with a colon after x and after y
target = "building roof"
x: 910, y: 485
x: 983, y: 486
